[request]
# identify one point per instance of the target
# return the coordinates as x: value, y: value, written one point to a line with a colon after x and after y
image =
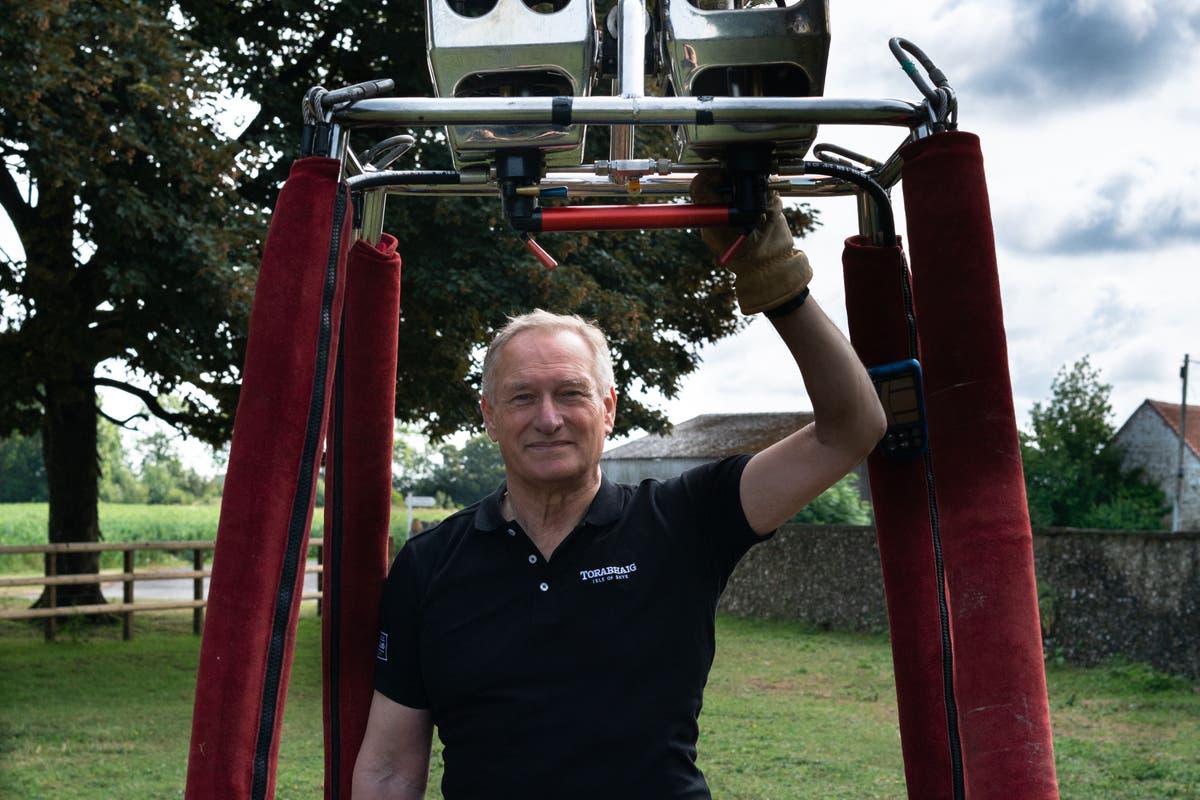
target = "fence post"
x: 320, y: 577
x: 51, y: 595
x: 198, y: 591
x: 127, y: 630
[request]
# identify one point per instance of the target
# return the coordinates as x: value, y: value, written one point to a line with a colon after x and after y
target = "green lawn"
x: 790, y: 713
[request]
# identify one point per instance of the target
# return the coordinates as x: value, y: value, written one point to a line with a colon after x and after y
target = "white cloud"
x: 1094, y: 193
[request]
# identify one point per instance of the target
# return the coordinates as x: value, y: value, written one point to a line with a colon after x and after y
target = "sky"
x: 1088, y: 113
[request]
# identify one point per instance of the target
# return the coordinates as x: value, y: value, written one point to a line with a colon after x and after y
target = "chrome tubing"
x: 424, y: 111
x: 581, y: 185
x: 631, y: 78
x: 631, y: 54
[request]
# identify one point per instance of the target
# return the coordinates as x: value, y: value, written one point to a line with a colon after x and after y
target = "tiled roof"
x: 715, y: 436
x: 1170, y: 412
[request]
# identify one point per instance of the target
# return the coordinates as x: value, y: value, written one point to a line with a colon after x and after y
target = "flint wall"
x: 1102, y: 593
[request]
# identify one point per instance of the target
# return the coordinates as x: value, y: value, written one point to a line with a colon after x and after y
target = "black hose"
x: 887, y: 220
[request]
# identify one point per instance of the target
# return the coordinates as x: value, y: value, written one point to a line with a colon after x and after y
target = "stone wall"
x: 1102, y: 593
x: 824, y: 575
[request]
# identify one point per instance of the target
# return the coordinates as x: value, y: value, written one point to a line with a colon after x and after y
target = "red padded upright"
x: 266, y: 510
x: 358, y: 501
x: 999, y: 675
x: 881, y: 333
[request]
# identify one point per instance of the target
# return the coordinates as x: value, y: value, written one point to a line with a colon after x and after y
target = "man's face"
x: 548, y: 415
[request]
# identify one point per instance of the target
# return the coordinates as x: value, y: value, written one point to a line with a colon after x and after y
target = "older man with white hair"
x: 559, y: 632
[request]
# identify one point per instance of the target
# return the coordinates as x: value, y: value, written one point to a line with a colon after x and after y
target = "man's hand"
x: 769, y: 270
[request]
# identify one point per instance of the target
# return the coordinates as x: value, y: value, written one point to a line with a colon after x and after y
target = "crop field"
x: 25, y: 523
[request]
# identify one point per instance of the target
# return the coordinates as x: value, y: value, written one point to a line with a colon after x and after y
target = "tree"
x: 1073, y: 472
x: 22, y: 473
x: 134, y: 243
x: 411, y: 463
x: 118, y: 483
x: 840, y: 504
x: 465, y: 473
x: 167, y: 480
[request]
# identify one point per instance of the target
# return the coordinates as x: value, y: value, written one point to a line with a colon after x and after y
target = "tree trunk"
x: 73, y: 476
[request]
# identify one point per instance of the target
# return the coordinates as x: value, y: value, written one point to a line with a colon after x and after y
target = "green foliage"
x: 1073, y: 472
x: 465, y: 474
x: 167, y: 480
x: 840, y: 504
x: 163, y: 477
x: 22, y: 473
x: 135, y: 245
x: 410, y: 462
x: 118, y: 484
x: 1135, y: 504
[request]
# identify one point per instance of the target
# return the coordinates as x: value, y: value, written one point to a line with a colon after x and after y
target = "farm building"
x: 1150, y: 438
x: 703, y: 439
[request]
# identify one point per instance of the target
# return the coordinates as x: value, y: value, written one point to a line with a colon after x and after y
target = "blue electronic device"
x: 903, y: 396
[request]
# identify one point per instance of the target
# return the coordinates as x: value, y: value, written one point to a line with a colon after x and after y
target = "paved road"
x: 177, y: 588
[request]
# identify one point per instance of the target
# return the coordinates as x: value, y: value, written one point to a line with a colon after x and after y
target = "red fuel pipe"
x: 619, y: 218
x: 539, y: 253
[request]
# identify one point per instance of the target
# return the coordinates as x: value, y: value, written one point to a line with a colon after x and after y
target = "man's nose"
x: 549, y: 418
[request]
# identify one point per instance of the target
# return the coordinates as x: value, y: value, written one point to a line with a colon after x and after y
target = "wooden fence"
x: 129, y: 577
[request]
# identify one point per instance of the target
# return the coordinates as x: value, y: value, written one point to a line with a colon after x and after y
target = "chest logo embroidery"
x: 606, y: 574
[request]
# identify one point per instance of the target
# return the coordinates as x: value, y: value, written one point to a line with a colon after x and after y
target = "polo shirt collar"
x: 488, y: 515
x: 604, y: 509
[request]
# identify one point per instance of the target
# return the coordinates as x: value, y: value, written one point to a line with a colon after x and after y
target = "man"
x: 559, y: 633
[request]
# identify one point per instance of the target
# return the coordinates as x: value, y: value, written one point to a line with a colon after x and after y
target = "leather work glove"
x: 769, y: 270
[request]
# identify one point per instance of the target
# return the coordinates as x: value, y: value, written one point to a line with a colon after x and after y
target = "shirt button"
x: 511, y: 532
x: 545, y: 587
x: 532, y: 559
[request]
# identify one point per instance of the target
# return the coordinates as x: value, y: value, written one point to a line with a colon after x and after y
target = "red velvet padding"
x: 266, y: 510
x: 1000, y: 680
x: 879, y: 331
x: 358, y: 500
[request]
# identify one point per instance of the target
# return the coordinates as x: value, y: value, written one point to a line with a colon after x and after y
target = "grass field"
x: 790, y: 713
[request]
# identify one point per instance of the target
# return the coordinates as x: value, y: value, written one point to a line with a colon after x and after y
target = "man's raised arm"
x: 848, y: 422
x: 772, y: 277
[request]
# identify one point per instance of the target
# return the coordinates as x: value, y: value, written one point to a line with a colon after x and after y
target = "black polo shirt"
x: 578, y: 677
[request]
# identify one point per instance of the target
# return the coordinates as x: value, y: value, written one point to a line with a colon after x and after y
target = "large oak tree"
x: 135, y: 243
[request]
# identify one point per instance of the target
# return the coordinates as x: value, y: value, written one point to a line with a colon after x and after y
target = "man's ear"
x: 487, y: 412
x: 610, y: 409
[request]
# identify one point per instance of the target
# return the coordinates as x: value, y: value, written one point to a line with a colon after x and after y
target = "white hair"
x: 597, y: 342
